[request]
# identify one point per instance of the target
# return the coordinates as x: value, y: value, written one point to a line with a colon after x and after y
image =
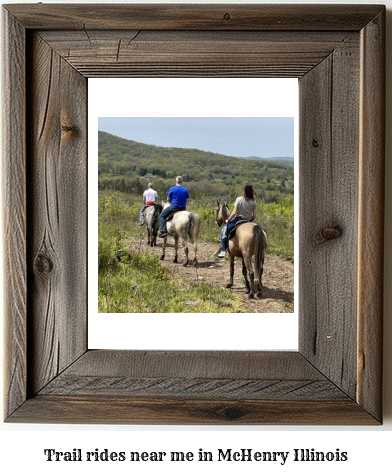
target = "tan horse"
x: 250, y: 239
x: 183, y: 224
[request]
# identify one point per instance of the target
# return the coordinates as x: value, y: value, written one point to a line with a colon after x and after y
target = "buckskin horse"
x: 250, y: 239
x: 181, y: 225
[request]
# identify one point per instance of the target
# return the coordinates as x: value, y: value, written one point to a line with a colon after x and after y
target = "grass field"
x: 132, y: 281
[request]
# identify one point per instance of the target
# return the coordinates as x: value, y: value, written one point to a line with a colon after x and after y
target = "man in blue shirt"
x: 177, y: 196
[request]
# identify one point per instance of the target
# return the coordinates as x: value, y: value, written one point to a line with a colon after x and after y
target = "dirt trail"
x: 278, y: 278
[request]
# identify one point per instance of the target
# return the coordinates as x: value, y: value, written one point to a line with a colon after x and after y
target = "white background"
x: 191, y: 97
x: 21, y: 446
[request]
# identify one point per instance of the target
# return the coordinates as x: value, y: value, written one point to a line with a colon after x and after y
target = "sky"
x: 264, y: 137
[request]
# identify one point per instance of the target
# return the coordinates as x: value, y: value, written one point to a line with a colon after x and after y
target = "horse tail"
x: 194, y: 226
x: 260, y: 246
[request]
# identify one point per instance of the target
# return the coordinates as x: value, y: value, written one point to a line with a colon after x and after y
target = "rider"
x: 177, y: 196
x: 244, y: 210
x: 149, y: 198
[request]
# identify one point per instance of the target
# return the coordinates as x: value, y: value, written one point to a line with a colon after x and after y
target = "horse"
x: 181, y: 225
x: 151, y: 215
x: 250, y: 239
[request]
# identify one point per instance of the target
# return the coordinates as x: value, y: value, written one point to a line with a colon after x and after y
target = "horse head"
x: 222, y: 213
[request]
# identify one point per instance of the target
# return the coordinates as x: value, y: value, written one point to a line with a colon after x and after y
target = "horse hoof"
x: 195, y: 263
x: 251, y: 296
x: 229, y: 285
x: 162, y: 257
x: 185, y: 264
x: 175, y: 260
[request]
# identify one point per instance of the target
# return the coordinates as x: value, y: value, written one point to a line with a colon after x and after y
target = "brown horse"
x: 250, y: 239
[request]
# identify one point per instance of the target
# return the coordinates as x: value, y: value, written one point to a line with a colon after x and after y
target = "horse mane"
x: 157, y: 210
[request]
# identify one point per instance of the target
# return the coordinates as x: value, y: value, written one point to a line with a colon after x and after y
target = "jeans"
x: 226, y: 229
x: 165, y: 213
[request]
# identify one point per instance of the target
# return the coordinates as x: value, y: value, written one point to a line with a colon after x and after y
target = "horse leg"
x: 261, y: 244
x: 148, y: 237
x: 248, y: 264
x: 162, y: 257
x: 259, y: 274
x: 185, y: 247
x: 193, y: 233
x: 154, y: 237
x: 245, y: 274
x: 195, y: 253
x: 230, y: 284
x: 175, y: 250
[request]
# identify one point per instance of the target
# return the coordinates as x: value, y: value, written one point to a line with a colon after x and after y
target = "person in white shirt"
x: 149, y: 198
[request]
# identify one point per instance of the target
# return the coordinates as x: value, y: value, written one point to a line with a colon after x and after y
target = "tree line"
x: 127, y: 166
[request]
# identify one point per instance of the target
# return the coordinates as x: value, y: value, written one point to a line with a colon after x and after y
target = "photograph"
x: 196, y: 214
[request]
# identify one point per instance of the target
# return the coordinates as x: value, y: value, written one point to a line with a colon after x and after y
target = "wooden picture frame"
x: 338, y: 54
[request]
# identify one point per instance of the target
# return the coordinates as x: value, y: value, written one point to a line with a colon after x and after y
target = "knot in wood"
x: 315, y: 143
x: 232, y: 413
x: 69, y: 128
x: 328, y: 233
x: 43, y: 264
x: 227, y: 16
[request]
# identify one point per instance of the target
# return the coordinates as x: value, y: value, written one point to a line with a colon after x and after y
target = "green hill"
x: 287, y: 160
x: 128, y: 166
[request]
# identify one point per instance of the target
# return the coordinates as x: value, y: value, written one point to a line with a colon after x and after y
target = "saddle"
x: 170, y: 216
x: 231, y: 234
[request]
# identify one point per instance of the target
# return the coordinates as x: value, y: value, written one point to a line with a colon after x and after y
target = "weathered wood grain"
x: 194, y: 17
x: 208, y: 364
x: 127, y: 53
x: 187, y: 387
x: 206, y: 374
x: 103, y: 409
x: 14, y: 208
x: 57, y: 214
x: 371, y: 216
x: 329, y: 168
x: 195, y: 387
